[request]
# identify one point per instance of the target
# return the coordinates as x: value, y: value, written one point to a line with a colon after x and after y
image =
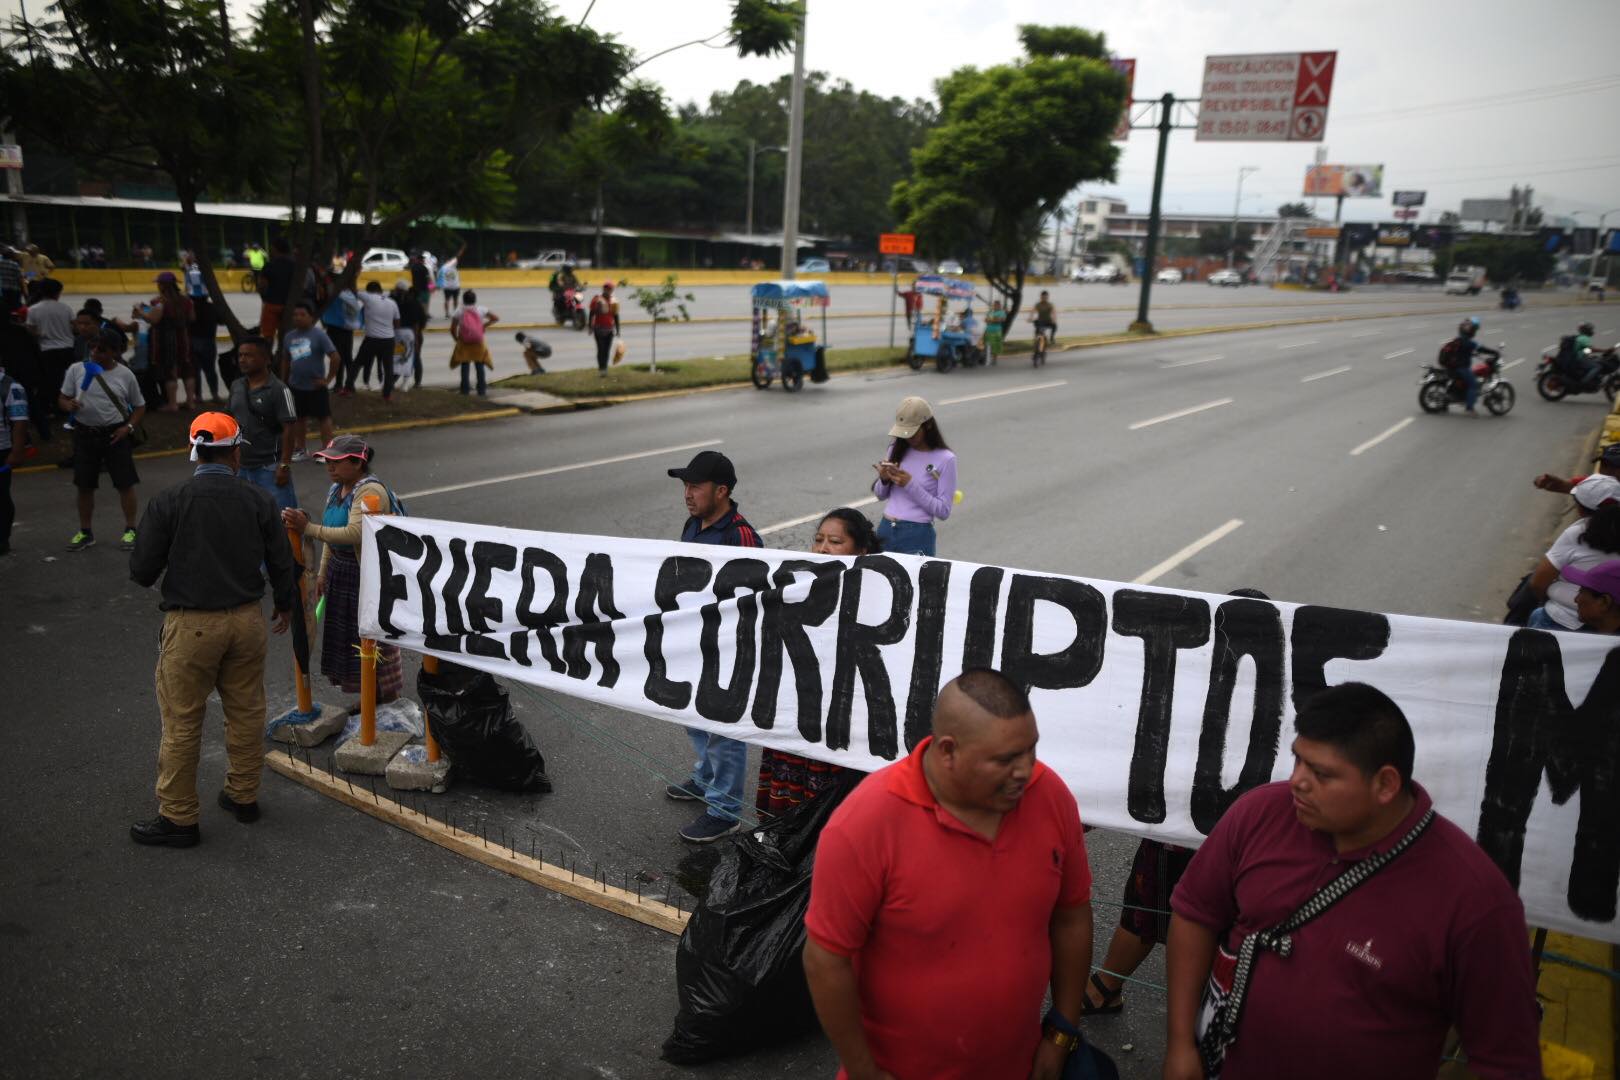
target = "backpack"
x: 1565, y: 360
x: 1453, y: 355
x: 396, y: 505
x: 469, y: 327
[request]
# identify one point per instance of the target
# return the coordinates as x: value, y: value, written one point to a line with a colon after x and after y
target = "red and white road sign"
x: 1127, y: 68
x: 1406, y: 215
x: 1266, y: 97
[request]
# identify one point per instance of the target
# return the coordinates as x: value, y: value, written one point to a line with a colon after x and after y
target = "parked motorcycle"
x: 1553, y: 382
x: 1441, y: 388
x: 568, y: 308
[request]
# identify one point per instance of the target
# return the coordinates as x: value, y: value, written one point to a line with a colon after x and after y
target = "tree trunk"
x: 654, y: 356
x: 304, y: 250
x: 597, y: 248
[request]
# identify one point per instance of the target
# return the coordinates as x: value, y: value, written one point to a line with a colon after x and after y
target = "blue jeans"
x: 1540, y: 620
x: 265, y: 476
x: 464, y: 377
x: 1470, y: 384
x: 906, y: 537
x: 720, y: 771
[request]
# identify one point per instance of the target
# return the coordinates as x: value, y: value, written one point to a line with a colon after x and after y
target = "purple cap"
x: 1603, y: 578
x: 166, y: 278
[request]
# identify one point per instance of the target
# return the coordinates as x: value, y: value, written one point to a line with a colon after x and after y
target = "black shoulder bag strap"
x: 1222, y: 1029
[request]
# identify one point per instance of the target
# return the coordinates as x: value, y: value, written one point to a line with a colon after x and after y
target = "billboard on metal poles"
x: 1408, y: 198
x: 1394, y: 235
x: 1127, y: 68
x: 1266, y: 97
x: 1495, y: 210
x: 1345, y: 181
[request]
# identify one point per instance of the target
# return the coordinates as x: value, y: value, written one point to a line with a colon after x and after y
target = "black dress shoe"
x: 161, y: 831
x: 246, y: 812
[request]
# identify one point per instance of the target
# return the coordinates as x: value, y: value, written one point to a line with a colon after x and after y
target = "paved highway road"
x: 1293, y: 460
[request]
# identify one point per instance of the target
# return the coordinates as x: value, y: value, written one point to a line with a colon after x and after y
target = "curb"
x: 363, y: 429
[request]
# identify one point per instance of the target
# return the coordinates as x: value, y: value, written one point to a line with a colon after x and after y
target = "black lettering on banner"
x: 455, y: 620
x: 715, y: 700
x: 391, y: 589
x: 1078, y: 662
x: 676, y: 574
x: 484, y: 612
x: 783, y: 627
x: 1165, y: 622
x: 1578, y: 747
x: 928, y: 651
x: 595, y: 591
x: 858, y: 646
x: 979, y: 641
x: 1320, y: 634
x: 1242, y: 628
x: 432, y: 560
x: 542, y: 623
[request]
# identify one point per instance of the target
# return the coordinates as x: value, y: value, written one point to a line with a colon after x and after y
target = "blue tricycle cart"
x: 946, y: 337
x: 782, y: 346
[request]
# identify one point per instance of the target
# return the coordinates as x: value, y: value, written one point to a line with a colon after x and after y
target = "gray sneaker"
x: 707, y: 828
x: 687, y: 792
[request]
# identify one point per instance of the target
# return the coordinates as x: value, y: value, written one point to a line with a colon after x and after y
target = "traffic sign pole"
x: 1142, y: 325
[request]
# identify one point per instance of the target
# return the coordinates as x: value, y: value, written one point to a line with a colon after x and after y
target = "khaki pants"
x: 202, y: 651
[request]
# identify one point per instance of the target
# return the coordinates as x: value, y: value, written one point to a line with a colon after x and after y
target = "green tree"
x: 1013, y: 141
x: 1505, y: 258
x: 665, y: 303
x: 1294, y: 210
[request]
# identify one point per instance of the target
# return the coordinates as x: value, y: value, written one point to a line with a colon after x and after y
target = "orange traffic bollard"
x: 368, y: 659
x: 306, y: 701
x: 430, y: 664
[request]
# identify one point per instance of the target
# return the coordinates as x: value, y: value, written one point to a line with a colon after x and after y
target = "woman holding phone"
x: 916, y: 481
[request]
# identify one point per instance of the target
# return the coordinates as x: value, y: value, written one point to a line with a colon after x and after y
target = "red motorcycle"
x: 568, y: 308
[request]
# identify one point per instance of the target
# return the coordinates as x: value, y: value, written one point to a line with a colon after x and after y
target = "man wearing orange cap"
x: 207, y: 538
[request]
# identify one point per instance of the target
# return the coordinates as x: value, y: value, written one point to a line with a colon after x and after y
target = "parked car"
x: 815, y: 266
x: 1108, y: 273
x: 1225, y: 277
x: 384, y: 259
x: 1083, y: 273
x: 1168, y: 276
x: 951, y: 266
x: 551, y: 260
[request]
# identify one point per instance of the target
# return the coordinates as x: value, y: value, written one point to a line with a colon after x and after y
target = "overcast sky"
x: 1398, y: 63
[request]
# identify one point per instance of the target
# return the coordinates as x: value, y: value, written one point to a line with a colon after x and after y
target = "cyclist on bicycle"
x: 1045, y: 316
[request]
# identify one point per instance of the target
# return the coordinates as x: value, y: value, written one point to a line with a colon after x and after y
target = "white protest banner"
x: 1157, y: 707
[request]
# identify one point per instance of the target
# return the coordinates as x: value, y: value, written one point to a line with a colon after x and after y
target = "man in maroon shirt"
x: 948, y: 889
x: 1434, y: 939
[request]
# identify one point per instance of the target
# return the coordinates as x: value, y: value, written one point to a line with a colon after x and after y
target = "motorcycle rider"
x: 1587, y: 372
x: 562, y: 279
x: 1457, y: 356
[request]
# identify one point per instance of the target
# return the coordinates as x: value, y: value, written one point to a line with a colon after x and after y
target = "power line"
x: 1487, y: 101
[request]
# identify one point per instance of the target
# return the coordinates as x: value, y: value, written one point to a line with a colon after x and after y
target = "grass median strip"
x: 682, y: 374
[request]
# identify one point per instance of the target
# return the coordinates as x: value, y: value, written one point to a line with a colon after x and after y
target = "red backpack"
x: 469, y: 327
x: 1452, y: 355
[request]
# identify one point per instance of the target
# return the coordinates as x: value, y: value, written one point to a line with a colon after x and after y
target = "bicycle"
x: 250, y: 281
x: 1038, y: 355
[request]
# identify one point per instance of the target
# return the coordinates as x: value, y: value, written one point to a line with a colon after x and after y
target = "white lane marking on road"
x: 555, y: 469
x: 1367, y: 333
x: 1004, y: 393
x: 1376, y: 439
x: 1178, y: 414
x: 1398, y: 355
x: 1187, y: 552
x: 1194, y: 360
x: 790, y: 523
x: 1299, y: 344
x: 1325, y: 374
x: 1513, y: 363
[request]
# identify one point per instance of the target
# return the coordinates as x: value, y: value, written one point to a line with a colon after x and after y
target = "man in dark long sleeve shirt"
x: 207, y: 538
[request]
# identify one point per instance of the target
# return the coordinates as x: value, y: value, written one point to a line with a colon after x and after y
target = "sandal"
x: 1113, y: 1001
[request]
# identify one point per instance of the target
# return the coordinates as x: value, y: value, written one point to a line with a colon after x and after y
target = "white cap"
x: 1594, y: 491
x: 909, y: 417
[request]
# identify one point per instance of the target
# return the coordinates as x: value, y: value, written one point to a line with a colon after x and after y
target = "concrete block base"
x: 406, y: 774
x: 371, y: 760
x: 329, y: 720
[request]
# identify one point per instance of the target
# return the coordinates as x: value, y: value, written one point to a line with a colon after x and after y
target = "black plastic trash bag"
x: 739, y: 969
x: 471, y: 717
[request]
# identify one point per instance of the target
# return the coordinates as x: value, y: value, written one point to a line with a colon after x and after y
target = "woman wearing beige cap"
x: 916, y: 481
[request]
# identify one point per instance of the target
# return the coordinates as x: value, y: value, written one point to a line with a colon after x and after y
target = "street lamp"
x: 752, y: 150
x: 1231, y: 245
x: 1597, y: 243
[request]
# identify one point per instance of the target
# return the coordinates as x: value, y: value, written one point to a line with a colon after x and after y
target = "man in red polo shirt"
x: 1433, y: 939
x: 949, y: 888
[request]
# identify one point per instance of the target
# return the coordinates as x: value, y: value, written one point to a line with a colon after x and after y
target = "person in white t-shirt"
x: 381, y: 323
x: 450, y: 280
x: 1590, y: 542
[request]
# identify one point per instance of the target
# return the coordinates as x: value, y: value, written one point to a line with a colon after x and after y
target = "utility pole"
x: 1167, y: 104
x: 749, y: 228
x: 1231, y: 247
x: 795, y: 157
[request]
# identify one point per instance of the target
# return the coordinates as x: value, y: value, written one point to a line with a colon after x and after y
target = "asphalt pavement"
x: 318, y: 942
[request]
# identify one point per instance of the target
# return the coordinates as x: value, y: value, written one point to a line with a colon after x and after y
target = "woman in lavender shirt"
x: 917, y: 481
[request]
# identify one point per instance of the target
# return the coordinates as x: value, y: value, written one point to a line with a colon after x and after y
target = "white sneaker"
x: 300, y: 455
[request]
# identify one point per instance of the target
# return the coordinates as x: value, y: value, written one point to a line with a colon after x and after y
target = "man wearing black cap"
x: 720, y: 768
x: 1608, y: 464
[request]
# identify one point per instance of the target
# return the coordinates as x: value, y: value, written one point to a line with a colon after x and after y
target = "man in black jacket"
x: 208, y: 538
